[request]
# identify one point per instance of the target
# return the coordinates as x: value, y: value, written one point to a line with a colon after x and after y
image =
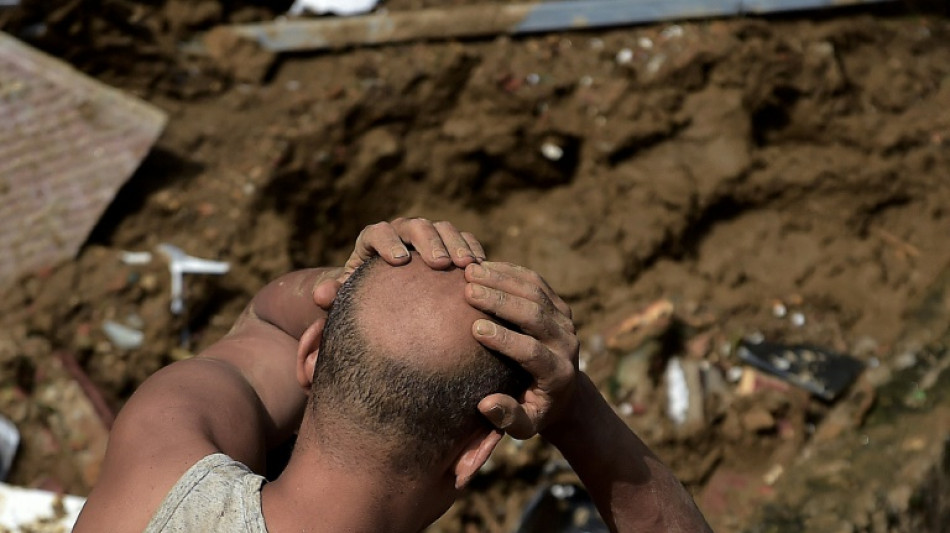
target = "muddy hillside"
x: 690, y: 188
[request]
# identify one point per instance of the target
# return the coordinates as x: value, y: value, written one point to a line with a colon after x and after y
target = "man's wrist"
x: 578, y: 412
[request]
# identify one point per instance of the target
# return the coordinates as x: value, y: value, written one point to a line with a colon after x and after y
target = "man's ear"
x: 307, y: 351
x: 474, y: 454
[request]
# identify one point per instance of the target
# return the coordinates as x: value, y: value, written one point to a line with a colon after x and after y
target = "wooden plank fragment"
x: 67, y: 144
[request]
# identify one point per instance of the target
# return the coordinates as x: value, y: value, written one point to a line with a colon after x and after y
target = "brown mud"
x: 728, y: 166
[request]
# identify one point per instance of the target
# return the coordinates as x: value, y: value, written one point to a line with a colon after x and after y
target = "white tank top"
x: 218, y: 494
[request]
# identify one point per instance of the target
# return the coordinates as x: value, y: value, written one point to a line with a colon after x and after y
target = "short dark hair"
x: 426, y: 411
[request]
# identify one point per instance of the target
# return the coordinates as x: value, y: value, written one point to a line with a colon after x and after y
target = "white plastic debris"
x: 624, y: 56
x: 677, y: 391
x: 798, y: 319
x: 179, y: 264
x: 136, y: 258
x: 533, y: 78
x: 655, y: 64
x: 562, y: 492
x: 342, y: 8
x: 27, y: 509
x: 551, y: 151
x: 625, y: 409
x: 779, y: 310
x: 122, y: 336
x: 9, y: 442
x: 672, y: 32
x: 734, y: 374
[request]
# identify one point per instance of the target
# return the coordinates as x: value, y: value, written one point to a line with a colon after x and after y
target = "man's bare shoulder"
x: 160, y: 434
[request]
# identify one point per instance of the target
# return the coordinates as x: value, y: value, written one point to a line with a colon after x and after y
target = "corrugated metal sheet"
x: 67, y: 143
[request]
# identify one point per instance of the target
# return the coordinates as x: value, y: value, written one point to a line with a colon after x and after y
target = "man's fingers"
x: 439, y: 244
x: 540, y: 320
x: 425, y: 238
x: 378, y: 239
x: 462, y: 254
x: 474, y: 246
x: 506, y: 414
x: 517, y: 280
x: 527, y: 351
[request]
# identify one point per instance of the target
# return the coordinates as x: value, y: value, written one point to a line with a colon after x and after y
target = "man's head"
x: 398, y: 369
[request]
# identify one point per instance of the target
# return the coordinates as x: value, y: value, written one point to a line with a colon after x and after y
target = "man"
x: 388, y: 402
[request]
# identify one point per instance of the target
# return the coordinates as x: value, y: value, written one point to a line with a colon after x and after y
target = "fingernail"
x: 399, y: 252
x: 485, y: 328
x: 478, y: 271
x: 479, y: 292
x: 464, y: 252
x: 439, y: 253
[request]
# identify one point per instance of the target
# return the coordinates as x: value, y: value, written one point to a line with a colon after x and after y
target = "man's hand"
x: 545, y: 344
x: 439, y: 243
x: 633, y: 489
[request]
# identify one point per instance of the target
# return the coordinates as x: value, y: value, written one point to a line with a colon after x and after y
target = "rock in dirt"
x: 240, y: 58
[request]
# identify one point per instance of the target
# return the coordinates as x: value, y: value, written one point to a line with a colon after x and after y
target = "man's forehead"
x: 415, y: 311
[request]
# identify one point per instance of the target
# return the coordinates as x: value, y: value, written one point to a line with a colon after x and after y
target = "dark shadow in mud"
x: 159, y: 170
x: 522, y: 168
x: 722, y: 210
x: 773, y: 114
x: 636, y: 144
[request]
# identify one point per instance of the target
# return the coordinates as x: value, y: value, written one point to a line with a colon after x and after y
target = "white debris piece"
x: 122, y: 336
x: 625, y: 409
x: 136, y: 258
x: 798, y: 319
x: 624, y: 56
x: 342, y: 8
x: 677, y: 392
x: 9, y: 442
x: 673, y: 32
x: 551, y: 151
x: 179, y: 264
x: 734, y: 374
x: 779, y: 310
x: 22, y: 509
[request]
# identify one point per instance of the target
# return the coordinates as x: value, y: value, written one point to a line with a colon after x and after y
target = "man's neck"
x: 315, y: 494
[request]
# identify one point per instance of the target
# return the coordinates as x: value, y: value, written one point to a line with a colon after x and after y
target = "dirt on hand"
x: 781, y: 178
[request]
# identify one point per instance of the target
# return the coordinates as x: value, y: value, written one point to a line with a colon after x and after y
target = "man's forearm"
x: 288, y: 303
x: 263, y: 345
x: 633, y: 489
